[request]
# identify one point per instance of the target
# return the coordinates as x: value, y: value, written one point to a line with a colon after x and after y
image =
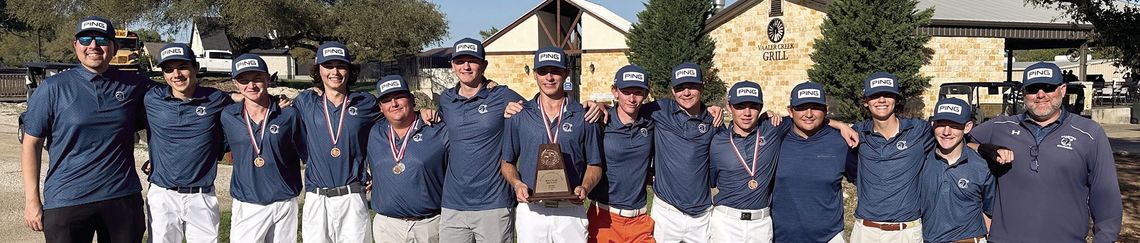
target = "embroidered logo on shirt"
x: 703, y: 128
x: 566, y: 127
x: 482, y: 109
x: 1014, y: 132
x: 273, y: 128
x: 201, y: 111
x: 120, y: 96
x: 1066, y: 142
x: 901, y: 145
x: 762, y: 141
x: 644, y: 132
x: 352, y: 110
x: 418, y: 137
x: 962, y: 183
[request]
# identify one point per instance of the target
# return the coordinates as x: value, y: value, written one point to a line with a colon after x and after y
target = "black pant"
x: 115, y: 220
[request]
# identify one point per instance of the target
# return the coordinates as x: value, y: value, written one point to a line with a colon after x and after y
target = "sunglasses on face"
x: 99, y: 40
x: 1033, y: 89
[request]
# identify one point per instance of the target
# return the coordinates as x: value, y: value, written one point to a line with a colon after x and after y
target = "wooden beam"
x: 570, y: 32
x: 545, y: 30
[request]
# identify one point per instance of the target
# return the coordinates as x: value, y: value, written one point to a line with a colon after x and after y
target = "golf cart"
x: 37, y: 72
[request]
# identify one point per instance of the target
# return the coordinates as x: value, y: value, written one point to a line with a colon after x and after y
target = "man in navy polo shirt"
x: 266, y: 144
x: 186, y: 142
x: 408, y: 160
x: 1063, y: 173
x: 807, y: 201
x: 551, y: 118
x: 89, y: 114
x: 336, y: 123
x: 478, y: 205
x: 742, y: 161
x: 890, y: 156
x: 956, y: 184
x: 619, y: 210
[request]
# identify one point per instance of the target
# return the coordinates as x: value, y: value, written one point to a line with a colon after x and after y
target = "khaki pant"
x: 394, y: 230
x: 864, y: 234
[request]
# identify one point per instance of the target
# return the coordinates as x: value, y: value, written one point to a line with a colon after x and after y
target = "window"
x: 777, y: 9
x: 220, y: 55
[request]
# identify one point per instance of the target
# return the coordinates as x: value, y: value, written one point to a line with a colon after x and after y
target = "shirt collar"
x: 733, y: 133
x: 272, y: 107
x: 966, y: 157
x: 482, y: 94
x: 681, y: 110
x: 1025, y: 119
x: 86, y: 74
x: 904, y: 124
x: 572, y: 106
x: 199, y: 94
x: 615, y: 121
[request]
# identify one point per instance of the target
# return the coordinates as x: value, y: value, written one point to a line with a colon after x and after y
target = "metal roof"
x: 1006, y: 11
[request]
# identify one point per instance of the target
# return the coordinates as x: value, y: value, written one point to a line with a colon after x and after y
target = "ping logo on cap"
x: 882, y: 82
x: 950, y: 108
x: 549, y: 56
x: 247, y: 63
x: 333, y: 51
x: 633, y: 76
x: 685, y: 72
x: 173, y: 51
x: 747, y: 91
x: 94, y: 24
x: 468, y: 47
x: 1039, y: 73
x: 808, y: 93
x: 390, y: 84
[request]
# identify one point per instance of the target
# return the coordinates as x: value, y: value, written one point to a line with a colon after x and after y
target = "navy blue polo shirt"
x: 1075, y: 179
x: 88, y: 124
x: 807, y: 197
x: 888, y: 170
x: 955, y: 196
x: 627, y: 150
x: 681, y: 157
x: 282, y: 149
x: 475, y: 126
x: 185, y: 136
x: 321, y: 169
x: 416, y: 191
x: 578, y: 140
x: 730, y: 177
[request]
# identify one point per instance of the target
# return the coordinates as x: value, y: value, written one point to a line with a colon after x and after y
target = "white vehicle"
x: 215, y: 61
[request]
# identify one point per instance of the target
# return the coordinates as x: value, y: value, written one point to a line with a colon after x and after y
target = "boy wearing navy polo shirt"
x: 551, y: 118
x: 266, y: 144
x: 408, y: 161
x: 956, y: 184
x: 478, y: 205
x: 90, y: 114
x: 336, y: 123
x: 186, y: 143
x: 1062, y: 165
x: 619, y: 210
x: 807, y: 200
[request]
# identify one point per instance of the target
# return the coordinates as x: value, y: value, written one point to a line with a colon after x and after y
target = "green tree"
x: 861, y: 37
x: 372, y: 29
x: 1116, y: 25
x: 487, y: 33
x: 670, y: 32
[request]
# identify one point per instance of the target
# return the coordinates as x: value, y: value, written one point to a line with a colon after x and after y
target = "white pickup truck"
x: 215, y: 61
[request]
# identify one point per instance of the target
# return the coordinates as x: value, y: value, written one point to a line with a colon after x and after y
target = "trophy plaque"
x: 551, y: 182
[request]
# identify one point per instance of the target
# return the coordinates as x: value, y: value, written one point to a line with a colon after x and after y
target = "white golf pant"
x: 175, y: 216
x: 336, y: 219
x: 274, y: 222
x: 561, y: 222
x: 729, y: 225
x: 672, y: 225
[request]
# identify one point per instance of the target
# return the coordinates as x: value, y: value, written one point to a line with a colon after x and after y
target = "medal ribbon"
x: 755, y: 154
x: 546, y: 122
x: 328, y: 120
x: 249, y: 128
x: 399, y: 155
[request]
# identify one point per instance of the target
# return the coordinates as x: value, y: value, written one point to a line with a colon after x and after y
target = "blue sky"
x: 465, y: 18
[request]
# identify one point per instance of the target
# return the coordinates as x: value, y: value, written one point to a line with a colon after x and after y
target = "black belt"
x: 355, y: 187
x: 193, y: 189
x: 416, y: 218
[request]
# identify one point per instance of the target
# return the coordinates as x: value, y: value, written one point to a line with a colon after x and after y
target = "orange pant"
x: 606, y: 227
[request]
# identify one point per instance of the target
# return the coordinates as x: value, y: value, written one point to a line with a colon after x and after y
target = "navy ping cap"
x: 390, y: 84
x: 550, y: 56
x: 248, y: 63
x: 332, y: 50
x: 745, y: 91
x: 880, y: 82
x: 95, y: 24
x: 808, y: 92
x: 686, y: 73
x: 1042, y: 73
x: 175, y: 51
x: 953, y: 109
x: 468, y: 46
x: 631, y: 76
